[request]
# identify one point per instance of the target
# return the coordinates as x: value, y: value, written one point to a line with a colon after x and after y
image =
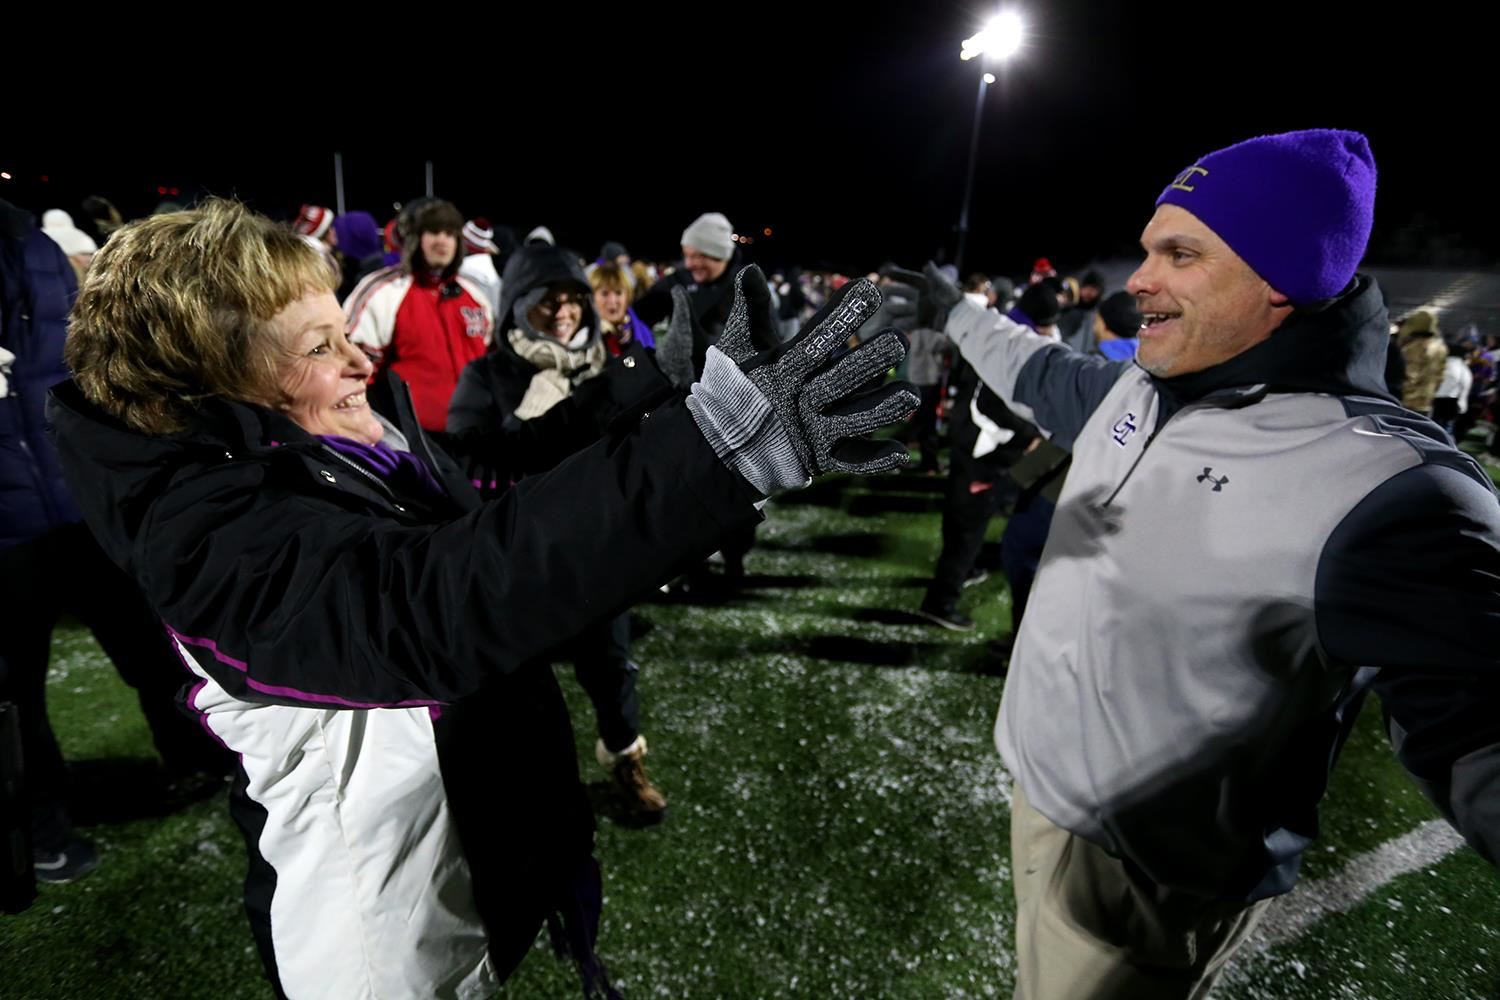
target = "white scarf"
x: 559, y: 368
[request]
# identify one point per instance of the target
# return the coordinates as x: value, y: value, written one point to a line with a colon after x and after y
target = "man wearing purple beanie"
x: 1253, y: 536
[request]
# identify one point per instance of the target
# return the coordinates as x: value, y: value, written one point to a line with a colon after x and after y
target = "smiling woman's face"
x: 320, y: 374
x: 559, y: 313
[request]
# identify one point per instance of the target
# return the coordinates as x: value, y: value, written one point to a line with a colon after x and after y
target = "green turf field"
x: 838, y: 815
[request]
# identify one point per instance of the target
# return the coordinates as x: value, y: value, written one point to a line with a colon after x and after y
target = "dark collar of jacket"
x: 134, y: 467
x: 256, y: 430
x: 446, y: 284
x: 425, y: 276
x: 1340, y: 349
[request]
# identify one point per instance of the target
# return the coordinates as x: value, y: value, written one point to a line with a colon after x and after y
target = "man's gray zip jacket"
x: 1238, y: 557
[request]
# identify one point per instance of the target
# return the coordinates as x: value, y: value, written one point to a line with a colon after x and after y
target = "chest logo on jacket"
x: 1124, y: 427
x: 474, y: 324
x: 1209, y: 477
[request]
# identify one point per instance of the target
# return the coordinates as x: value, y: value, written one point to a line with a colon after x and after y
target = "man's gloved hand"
x: 674, y: 351
x: 898, y: 309
x: 935, y: 294
x: 941, y: 294
x: 778, y: 412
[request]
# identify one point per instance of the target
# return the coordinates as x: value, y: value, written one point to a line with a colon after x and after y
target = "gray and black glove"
x: 674, y: 351
x: 780, y: 413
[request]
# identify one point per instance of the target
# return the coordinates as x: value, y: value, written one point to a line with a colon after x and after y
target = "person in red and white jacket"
x: 422, y: 318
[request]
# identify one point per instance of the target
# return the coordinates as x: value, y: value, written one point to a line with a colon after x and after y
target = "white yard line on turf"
x: 1290, y: 916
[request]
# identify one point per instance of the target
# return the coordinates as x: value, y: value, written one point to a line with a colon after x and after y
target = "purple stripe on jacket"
x: 289, y: 692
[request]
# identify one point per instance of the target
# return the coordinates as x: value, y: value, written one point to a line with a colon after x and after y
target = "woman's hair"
x: 643, y: 276
x: 610, y: 275
x: 175, y: 310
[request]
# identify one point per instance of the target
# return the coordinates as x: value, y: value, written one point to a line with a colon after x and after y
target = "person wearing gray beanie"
x: 709, y: 264
x: 711, y: 236
x: 1252, y: 536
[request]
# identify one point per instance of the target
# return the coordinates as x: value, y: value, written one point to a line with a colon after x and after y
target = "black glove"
x: 674, y: 350
x: 935, y: 294
x: 941, y: 295
x: 821, y: 408
x: 898, y: 308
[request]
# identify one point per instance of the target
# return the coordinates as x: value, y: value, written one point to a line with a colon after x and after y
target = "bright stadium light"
x: 1000, y: 39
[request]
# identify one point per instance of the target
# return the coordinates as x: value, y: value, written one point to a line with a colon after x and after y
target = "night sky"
x: 843, y: 128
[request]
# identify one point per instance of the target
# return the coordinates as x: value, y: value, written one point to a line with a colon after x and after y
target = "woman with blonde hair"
x: 614, y: 290
x: 357, y: 624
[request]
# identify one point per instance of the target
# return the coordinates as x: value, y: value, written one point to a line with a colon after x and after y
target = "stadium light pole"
x: 999, y: 40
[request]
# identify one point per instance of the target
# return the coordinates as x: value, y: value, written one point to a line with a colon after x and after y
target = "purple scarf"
x: 400, y: 467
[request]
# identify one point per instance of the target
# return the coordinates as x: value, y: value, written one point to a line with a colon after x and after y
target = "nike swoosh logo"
x: 51, y: 866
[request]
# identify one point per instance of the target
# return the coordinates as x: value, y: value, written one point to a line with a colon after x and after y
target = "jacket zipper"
x: 382, y: 487
x: 1196, y: 405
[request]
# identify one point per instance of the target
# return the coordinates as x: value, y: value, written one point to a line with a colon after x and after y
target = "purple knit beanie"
x: 359, y: 235
x: 1296, y: 207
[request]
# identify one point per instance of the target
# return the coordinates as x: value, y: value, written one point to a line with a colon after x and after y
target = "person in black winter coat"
x: 710, y: 263
x: 361, y: 627
x: 548, y: 343
x: 50, y: 564
x: 988, y: 438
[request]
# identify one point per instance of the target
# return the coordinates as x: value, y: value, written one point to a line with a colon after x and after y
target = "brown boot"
x: 645, y: 800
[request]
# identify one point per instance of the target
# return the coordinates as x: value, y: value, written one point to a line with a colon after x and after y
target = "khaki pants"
x: 1088, y: 929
